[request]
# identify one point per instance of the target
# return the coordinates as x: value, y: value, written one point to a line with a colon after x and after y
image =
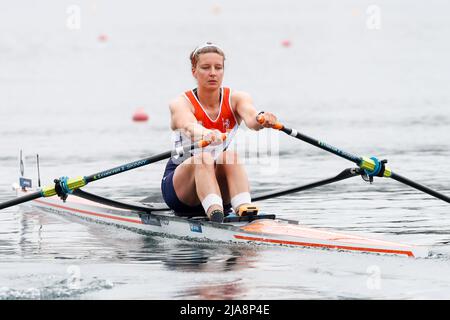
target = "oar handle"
x: 205, y: 143
x: 260, y: 118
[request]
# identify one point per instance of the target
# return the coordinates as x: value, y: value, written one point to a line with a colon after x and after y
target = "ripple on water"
x: 56, y: 289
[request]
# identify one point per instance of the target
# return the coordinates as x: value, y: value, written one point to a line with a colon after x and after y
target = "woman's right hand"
x: 214, y: 136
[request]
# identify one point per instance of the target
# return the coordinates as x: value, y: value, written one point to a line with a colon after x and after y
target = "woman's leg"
x: 195, y: 183
x: 233, y: 180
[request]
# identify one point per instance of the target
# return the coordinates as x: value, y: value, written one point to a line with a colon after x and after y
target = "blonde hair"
x: 205, y: 48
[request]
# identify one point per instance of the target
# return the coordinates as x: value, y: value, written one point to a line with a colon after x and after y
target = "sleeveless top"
x: 225, y: 121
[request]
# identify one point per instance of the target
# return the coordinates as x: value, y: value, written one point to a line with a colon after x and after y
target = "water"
x: 69, y: 97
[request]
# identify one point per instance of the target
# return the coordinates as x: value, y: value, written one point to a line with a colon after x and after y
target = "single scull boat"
x: 261, y: 229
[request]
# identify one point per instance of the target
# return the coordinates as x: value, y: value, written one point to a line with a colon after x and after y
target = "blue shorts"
x: 171, y: 199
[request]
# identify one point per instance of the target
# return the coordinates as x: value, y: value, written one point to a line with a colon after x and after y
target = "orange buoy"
x: 103, y: 38
x: 286, y: 43
x: 140, y: 115
x: 216, y: 9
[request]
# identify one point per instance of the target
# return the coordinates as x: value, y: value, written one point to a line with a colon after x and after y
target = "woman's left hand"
x: 269, y: 120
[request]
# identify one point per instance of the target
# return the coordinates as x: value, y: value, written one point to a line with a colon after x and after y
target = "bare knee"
x: 203, y: 161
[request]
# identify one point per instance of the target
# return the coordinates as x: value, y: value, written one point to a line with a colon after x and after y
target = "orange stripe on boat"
x: 331, y: 246
x: 89, y: 212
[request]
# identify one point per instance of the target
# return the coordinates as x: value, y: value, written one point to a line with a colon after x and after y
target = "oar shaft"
x: 420, y: 187
x: 347, y: 173
x: 127, y: 167
x: 76, y: 183
x: 143, y: 162
x: 20, y: 200
x: 322, y: 145
x: 362, y: 162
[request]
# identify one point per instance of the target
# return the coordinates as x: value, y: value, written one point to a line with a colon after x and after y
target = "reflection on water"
x: 45, y: 236
x: 48, y: 236
x: 222, y: 291
x: 30, y: 233
x: 210, y: 258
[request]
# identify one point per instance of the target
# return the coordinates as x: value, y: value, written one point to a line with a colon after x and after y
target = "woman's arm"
x: 247, y: 112
x: 183, y: 119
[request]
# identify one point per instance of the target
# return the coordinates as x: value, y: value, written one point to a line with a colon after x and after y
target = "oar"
x: 345, y: 174
x: 371, y: 166
x: 64, y: 186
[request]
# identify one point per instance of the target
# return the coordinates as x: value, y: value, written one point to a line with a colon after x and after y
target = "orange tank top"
x: 225, y: 120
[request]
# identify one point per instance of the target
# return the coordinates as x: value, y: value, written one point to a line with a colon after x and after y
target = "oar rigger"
x: 65, y: 186
x: 373, y: 168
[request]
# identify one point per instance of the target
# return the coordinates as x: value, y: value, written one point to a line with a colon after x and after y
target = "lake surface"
x: 371, y: 81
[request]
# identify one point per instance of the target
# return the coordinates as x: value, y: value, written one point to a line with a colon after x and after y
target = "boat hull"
x: 263, y: 231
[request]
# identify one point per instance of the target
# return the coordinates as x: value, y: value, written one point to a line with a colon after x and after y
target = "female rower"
x: 212, y: 179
